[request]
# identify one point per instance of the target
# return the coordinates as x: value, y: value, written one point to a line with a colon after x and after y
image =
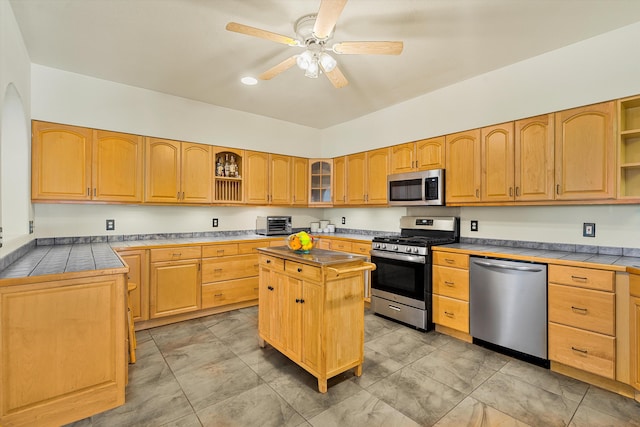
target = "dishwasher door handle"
x: 507, y: 267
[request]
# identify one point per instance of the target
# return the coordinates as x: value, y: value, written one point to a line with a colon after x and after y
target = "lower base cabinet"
x: 174, y: 284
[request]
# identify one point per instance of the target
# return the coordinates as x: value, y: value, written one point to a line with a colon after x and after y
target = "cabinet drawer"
x: 229, y: 292
x: 584, y: 350
x: 451, y: 313
x: 219, y: 250
x: 252, y: 247
x: 582, y: 308
x: 582, y: 277
x: 361, y: 248
x: 272, y: 262
x: 450, y: 259
x: 176, y: 254
x: 339, y: 245
x: 234, y: 267
x: 451, y: 282
x: 303, y: 271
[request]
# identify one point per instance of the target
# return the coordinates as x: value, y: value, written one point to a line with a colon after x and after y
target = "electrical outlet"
x: 111, y: 224
x: 474, y: 225
x: 31, y: 227
x: 214, y: 223
x: 589, y: 229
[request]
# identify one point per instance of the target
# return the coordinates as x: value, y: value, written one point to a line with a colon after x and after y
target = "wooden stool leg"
x: 132, y: 338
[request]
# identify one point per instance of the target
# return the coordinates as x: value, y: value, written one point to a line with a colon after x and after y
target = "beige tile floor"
x: 211, y: 372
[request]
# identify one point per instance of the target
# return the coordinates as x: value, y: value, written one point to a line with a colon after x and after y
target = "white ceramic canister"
x: 315, y: 227
x: 323, y: 224
x: 332, y: 228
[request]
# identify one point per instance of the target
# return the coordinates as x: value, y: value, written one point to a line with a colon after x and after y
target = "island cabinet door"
x: 269, y: 312
x: 292, y: 304
x: 312, y: 308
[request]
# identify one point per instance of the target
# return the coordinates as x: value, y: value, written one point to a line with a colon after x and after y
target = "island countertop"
x: 317, y: 257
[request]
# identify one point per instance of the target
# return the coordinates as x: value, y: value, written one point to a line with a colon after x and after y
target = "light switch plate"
x: 589, y: 229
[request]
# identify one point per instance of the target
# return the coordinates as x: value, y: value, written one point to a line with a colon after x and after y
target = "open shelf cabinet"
x: 227, y: 181
x: 629, y: 148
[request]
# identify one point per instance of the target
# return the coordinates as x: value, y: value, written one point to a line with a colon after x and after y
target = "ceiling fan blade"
x: 263, y: 34
x: 328, y: 15
x: 336, y: 78
x: 368, y: 48
x: 281, y: 67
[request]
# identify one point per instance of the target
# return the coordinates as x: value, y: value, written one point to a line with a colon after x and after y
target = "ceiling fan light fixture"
x: 304, y: 60
x: 327, y: 62
x: 313, y: 70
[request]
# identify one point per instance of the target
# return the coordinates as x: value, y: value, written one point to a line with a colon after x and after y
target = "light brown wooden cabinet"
x: 585, y: 153
x: 178, y: 172
x: 299, y: 181
x: 137, y: 261
x: 534, y: 158
x: 464, y: 174
x: 497, y: 163
x: 340, y: 180
x: 303, y: 309
x: 418, y: 155
x: 63, y: 348
x: 174, y: 283
x: 366, y: 177
x: 634, y: 330
x: 268, y: 178
x: 321, y: 182
x: 581, y: 319
x: 80, y: 164
x: 629, y: 148
x: 226, y: 188
x: 450, y: 277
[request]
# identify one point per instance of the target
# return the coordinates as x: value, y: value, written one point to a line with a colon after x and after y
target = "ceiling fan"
x: 313, y: 33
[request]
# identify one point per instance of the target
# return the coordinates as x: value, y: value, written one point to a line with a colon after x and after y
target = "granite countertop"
x: 610, y: 262
x: 318, y: 257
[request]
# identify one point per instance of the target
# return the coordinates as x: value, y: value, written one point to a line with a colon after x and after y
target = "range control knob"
x: 415, y: 250
x: 383, y: 246
x: 395, y: 248
x: 408, y: 249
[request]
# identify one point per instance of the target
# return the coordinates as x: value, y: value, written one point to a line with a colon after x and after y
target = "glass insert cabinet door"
x: 320, y: 181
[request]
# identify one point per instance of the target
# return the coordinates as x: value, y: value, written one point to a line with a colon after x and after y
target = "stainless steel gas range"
x: 401, y: 284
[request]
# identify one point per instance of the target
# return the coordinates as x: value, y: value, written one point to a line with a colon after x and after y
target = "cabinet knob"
x: 297, y: 300
x: 268, y: 261
x: 299, y: 269
x: 270, y: 288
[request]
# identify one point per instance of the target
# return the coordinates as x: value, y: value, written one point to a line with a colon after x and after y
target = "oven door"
x: 408, y: 276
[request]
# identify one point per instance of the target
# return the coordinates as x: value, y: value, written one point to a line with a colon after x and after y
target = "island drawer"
x: 582, y: 277
x: 451, y: 282
x: 303, y: 270
x: 582, y: 308
x: 584, y: 350
x: 450, y: 259
x: 175, y: 253
x: 451, y: 313
x: 219, y: 250
x: 272, y: 262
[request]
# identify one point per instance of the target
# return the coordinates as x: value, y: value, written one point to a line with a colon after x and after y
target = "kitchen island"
x: 311, y: 309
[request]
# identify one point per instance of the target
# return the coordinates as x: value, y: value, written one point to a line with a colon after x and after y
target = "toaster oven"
x: 273, y: 225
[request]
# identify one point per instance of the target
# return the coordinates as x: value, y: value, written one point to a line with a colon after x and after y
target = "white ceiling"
x: 181, y: 47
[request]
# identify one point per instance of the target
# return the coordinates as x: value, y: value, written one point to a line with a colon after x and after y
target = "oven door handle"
x: 417, y: 259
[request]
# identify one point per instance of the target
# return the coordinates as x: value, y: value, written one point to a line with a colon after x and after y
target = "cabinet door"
x: 117, y: 166
x: 320, y: 182
x: 340, y: 180
x: 197, y: 173
x: 138, y: 274
x: 311, y: 325
x: 256, y: 172
x: 60, y: 162
x: 403, y: 157
x: 356, y: 179
x: 174, y: 288
x: 280, y: 179
x: 292, y: 306
x: 269, y: 309
x: 497, y: 163
x: 534, y: 154
x: 463, y: 175
x: 299, y: 179
x: 430, y: 153
x: 163, y: 168
x: 634, y: 317
x: 585, y: 153
x: 376, y: 176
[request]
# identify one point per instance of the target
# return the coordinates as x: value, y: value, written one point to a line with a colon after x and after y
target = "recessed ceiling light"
x: 249, y: 81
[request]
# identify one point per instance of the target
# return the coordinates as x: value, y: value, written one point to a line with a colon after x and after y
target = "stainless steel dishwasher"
x: 508, y: 305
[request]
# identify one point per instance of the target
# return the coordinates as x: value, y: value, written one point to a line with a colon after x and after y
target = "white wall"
x: 15, y: 104
x: 64, y: 97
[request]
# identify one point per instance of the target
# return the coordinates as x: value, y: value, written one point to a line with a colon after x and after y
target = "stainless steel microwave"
x: 273, y: 225
x: 422, y: 188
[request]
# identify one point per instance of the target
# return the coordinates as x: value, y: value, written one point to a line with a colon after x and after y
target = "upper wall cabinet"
x: 629, y: 148
x: 340, y: 181
x: 463, y: 176
x: 320, y: 182
x: 268, y: 178
x: 178, y: 172
x: 72, y: 163
x: 229, y: 170
x: 299, y: 181
x: 419, y: 155
x: 497, y: 153
x: 585, y: 152
x: 534, y: 158
x: 366, y: 177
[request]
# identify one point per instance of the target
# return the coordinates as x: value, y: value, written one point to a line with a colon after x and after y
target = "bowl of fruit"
x: 301, y: 242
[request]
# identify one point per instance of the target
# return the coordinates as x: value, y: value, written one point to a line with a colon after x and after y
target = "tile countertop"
x: 576, y: 259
